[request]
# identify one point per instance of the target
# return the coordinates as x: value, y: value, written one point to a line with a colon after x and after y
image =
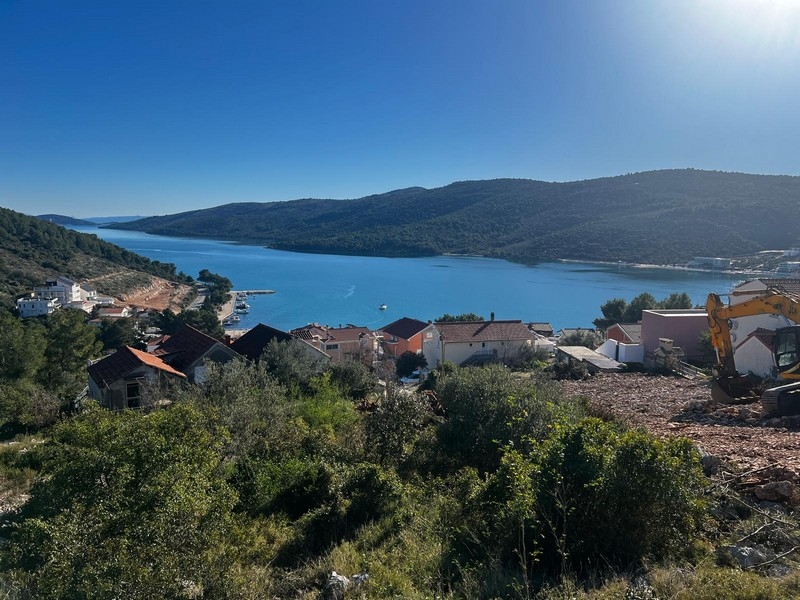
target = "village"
x: 664, y: 340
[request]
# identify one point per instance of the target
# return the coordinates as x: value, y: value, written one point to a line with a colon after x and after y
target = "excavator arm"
x: 719, y: 315
x: 732, y: 387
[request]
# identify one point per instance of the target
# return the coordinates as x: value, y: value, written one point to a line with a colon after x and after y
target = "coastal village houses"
x: 252, y: 344
x: 189, y: 351
x: 342, y: 343
x: 60, y: 292
x: 475, y: 342
x: 403, y: 335
x: 118, y: 380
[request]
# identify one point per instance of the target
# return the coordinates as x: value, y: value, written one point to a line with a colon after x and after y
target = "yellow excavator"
x: 730, y: 386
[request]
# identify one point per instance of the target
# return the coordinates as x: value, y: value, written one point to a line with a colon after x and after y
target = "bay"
x: 337, y: 290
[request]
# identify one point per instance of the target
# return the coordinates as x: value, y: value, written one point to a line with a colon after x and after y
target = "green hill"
x: 659, y: 217
x: 32, y: 250
x: 64, y: 220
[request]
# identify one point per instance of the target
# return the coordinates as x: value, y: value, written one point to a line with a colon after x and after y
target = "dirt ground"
x: 765, y: 449
x: 160, y: 295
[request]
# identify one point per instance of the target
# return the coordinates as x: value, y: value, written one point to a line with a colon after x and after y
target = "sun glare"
x: 764, y: 26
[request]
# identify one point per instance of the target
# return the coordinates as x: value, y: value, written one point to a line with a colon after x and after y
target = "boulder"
x: 775, y: 491
x: 335, y: 587
x: 746, y: 556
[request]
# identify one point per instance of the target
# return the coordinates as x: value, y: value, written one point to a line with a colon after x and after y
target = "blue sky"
x: 115, y: 108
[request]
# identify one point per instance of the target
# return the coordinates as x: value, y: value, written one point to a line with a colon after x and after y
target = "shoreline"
x: 266, y: 245
x: 669, y: 267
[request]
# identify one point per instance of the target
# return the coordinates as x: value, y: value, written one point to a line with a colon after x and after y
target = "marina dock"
x: 253, y: 292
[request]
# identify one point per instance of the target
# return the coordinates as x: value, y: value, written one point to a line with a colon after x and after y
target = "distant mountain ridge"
x: 660, y: 217
x: 88, y: 222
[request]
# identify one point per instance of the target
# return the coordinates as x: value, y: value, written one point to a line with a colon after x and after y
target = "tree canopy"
x: 618, y: 310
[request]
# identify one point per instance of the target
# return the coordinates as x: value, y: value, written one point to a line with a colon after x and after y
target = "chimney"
x: 491, y: 316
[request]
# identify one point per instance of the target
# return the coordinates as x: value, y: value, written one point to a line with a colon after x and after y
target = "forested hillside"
x: 32, y: 250
x: 64, y: 220
x: 661, y: 217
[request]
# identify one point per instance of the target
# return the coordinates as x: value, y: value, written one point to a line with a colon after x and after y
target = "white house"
x: 62, y: 288
x: 114, y: 312
x: 747, y: 357
x: 31, y: 306
x: 474, y: 342
x: 755, y: 354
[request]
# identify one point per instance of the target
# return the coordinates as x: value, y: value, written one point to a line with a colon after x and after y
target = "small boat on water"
x: 231, y: 320
x: 383, y: 307
x: 242, y: 305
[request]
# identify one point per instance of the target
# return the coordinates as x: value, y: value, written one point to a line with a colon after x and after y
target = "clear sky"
x: 156, y: 107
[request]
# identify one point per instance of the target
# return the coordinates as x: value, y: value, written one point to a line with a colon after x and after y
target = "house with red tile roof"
x: 189, y: 351
x: 403, y: 335
x: 342, y: 343
x: 117, y: 380
x: 475, y: 342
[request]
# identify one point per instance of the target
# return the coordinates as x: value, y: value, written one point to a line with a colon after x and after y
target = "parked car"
x: 415, y: 378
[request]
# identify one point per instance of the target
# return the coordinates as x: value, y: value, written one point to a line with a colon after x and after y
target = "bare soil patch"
x: 674, y: 406
x: 142, y: 290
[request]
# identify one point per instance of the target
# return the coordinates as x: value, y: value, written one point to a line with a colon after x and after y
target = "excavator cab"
x: 787, y: 351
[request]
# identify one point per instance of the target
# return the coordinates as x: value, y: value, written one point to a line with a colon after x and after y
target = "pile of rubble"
x: 733, y: 438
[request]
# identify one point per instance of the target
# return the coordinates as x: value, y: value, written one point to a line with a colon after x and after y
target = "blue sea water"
x: 336, y: 290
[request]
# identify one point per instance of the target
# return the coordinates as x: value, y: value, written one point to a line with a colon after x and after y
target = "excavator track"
x: 781, y: 400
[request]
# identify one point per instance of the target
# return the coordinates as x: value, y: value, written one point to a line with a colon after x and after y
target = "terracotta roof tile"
x: 484, y: 331
x: 116, y: 366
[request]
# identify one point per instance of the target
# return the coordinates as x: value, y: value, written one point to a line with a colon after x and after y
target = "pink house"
x: 682, y: 326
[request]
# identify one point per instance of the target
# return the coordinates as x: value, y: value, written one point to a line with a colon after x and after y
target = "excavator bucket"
x: 735, y: 389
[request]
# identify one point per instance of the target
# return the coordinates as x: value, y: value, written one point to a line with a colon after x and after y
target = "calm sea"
x: 336, y: 290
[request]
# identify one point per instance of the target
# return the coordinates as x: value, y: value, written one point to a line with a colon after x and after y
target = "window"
x: 483, y: 344
x: 331, y: 346
x: 429, y: 334
x: 133, y: 393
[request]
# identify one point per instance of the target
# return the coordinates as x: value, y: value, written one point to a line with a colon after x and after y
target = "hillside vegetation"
x: 32, y: 250
x: 266, y: 478
x: 661, y: 217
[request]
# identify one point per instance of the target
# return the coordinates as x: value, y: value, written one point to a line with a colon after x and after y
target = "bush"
x: 591, y: 499
x: 569, y: 370
x: 605, y: 496
x: 353, y: 377
x: 408, y: 362
x: 488, y: 408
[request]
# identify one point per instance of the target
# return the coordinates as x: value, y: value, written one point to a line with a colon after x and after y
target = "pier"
x: 253, y: 292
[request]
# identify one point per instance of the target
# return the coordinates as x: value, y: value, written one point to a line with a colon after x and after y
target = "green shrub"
x: 490, y: 407
x: 606, y: 496
x: 408, y: 362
